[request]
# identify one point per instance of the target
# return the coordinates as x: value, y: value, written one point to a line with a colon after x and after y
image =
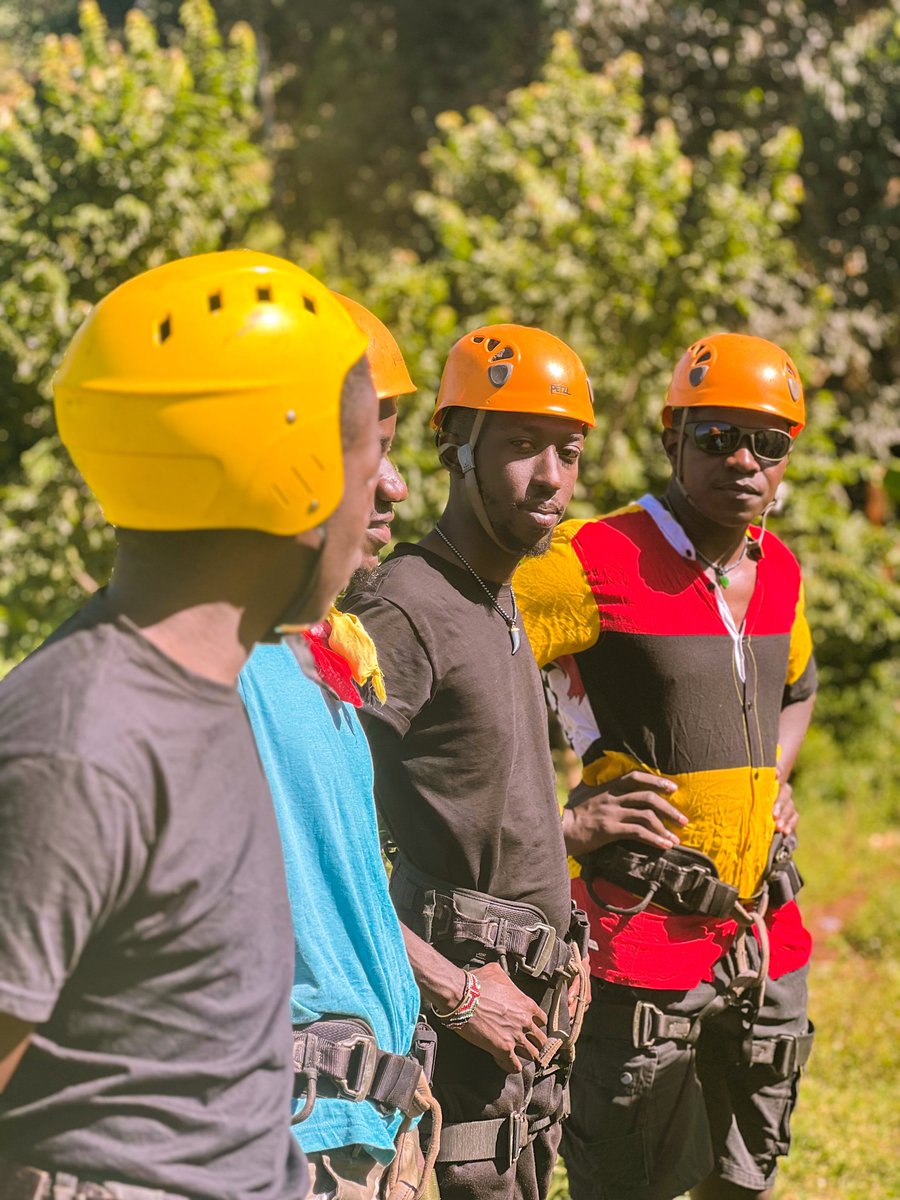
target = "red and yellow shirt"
x: 648, y: 659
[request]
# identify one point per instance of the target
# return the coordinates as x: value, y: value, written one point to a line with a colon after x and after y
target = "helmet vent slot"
x: 478, y: 340
x: 215, y: 301
x: 165, y: 330
x: 309, y: 304
x: 705, y: 356
x: 493, y: 343
x: 697, y: 375
x: 506, y: 352
x: 794, y: 388
x: 499, y: 373
x: 264, y: 295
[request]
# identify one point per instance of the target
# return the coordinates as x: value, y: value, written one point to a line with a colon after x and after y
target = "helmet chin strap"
x: 465, y: 456
x: 679, y: 483
x: 679, y: 467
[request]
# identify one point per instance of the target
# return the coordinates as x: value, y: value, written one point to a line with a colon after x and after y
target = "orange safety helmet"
x: 389, y: 373
x: 514, y: 368
x: 734, y: 370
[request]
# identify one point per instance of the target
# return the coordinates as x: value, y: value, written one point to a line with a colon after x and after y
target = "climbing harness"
x: 339, y: 1057
x: 471, y: 928
x: 684, y: 881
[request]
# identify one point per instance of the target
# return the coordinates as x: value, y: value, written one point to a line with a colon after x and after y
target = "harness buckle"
x: 785, y: 1054
x: 360, y: 1069
x: 535, y: 959
x: 517, y: 1136
x: 650, y: 1024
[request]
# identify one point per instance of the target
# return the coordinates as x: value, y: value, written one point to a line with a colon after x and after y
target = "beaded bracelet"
x: 465, y: 1010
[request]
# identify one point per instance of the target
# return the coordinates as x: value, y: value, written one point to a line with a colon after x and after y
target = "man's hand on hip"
x: 633, y: 806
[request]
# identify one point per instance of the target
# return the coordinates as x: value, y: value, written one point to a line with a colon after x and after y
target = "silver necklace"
x: 511, y: 621
x: 721, y: 572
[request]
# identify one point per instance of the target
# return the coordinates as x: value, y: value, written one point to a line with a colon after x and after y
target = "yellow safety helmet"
x: 206, y: 394
x: 389, y: 373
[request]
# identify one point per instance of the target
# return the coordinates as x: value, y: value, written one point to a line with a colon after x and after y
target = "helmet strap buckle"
x: 465, y: 456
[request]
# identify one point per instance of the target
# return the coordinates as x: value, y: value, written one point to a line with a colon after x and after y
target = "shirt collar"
x: 675, y: 535
x: 668, y: 527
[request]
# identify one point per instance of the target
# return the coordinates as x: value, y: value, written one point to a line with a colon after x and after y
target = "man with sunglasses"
x: 683, y: 669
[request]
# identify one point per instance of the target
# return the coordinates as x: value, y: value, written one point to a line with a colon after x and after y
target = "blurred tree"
x: 352, y: 90
x: 567, y: 211
x: 831, y: 68
x: 572, y: 211
x: 115, y: 157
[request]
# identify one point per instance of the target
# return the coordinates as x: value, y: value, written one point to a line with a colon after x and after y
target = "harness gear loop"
x: 311, y: 1075
x: 428, y: 1103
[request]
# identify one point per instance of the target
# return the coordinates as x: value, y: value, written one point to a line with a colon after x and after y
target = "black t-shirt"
x: 463, y: 774
x: 144, y: 924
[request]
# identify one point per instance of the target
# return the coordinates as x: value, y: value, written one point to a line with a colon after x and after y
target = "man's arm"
x: 555, y: 600
x: 792, y: 727
x: 67, y: 831
x: 505, y: 1023
x: 14, y: 1038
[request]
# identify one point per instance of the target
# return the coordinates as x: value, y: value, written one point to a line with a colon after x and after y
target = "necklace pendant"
x: 724, y: 581
x: 514, y: 637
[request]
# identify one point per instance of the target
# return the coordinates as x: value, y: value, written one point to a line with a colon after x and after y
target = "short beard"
x: 541, y: 548
x: 505, y: 535
x: 361, y: 579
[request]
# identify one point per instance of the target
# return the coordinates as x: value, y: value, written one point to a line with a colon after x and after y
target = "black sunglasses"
x: 721, y: 437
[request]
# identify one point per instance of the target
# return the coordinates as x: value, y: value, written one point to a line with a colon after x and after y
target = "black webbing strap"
x: 786, y: 1054
x: 340, y: 1057
x: 683, y: 880
x: 679, y: 879
x: 460, y: 921
x: 501, y: 1139
x: 643, y: 1025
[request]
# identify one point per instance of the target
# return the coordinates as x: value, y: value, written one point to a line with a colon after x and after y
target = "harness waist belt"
x: 464, y: 923
x: 33, y: 1183
x: 683, y: 880
x: 339, y: 1056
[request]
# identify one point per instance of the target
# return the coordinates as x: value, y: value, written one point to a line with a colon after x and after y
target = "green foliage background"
x: 627, y: 175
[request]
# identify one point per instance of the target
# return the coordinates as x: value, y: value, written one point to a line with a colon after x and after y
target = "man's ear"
x: 670, y: 444
x: 448, y: 456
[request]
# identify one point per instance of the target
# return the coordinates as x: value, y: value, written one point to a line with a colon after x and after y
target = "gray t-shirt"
x: 463, y: 773
x: 144, y: 924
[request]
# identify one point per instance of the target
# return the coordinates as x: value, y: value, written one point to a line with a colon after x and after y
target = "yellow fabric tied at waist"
x: 729, y: 814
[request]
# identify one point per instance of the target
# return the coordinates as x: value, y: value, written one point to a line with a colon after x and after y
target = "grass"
x: 846, y: 1129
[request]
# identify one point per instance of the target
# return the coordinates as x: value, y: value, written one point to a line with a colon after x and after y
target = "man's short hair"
x: 356, y: 395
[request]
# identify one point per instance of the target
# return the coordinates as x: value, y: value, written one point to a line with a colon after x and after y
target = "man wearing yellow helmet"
x: 684, y: 671
x: 220, y: 410
x: 463, y: 774
x: 349, y: 957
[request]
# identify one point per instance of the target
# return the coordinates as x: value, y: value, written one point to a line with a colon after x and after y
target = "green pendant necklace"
x: 721, y: 572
